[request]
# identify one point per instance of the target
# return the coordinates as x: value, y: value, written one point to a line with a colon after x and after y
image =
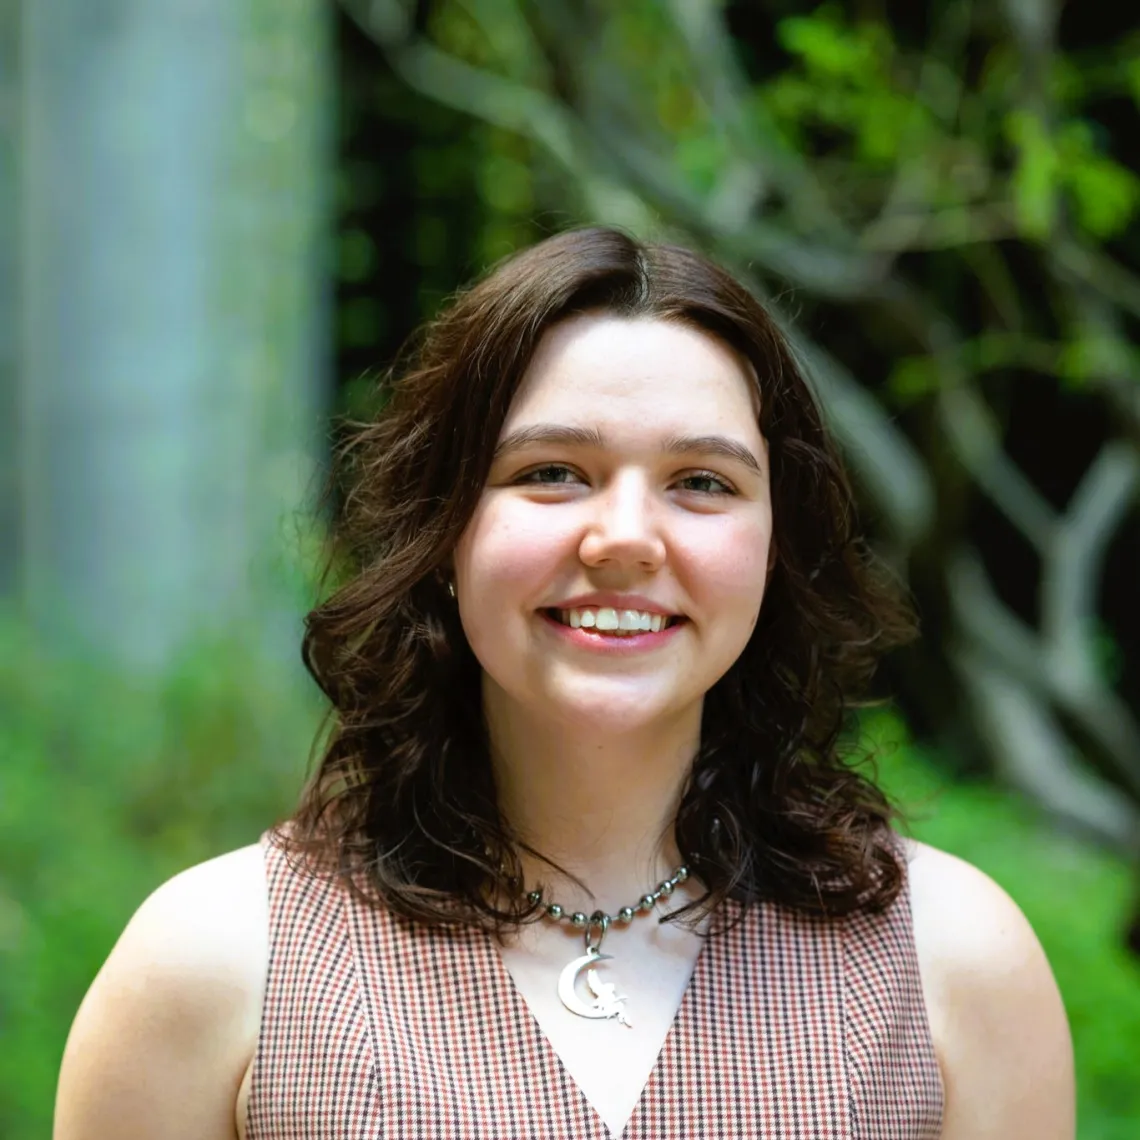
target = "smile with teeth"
x: 613, y: 623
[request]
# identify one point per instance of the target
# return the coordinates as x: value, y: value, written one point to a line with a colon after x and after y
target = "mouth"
x: 603, y: 621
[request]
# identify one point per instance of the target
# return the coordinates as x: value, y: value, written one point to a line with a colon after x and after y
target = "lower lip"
x: 601, y: 643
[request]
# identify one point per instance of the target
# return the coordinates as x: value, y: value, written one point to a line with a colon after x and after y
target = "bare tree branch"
x: 1001, y: 667
x: 973, y: 435
x: 1072, y: 567
x: 899, y: 230
x: 989, y: 624
x: 1058, y: 669
x: 1099, y: 272
x: 1032, y: 752
x: 888, y: 467
x: 1034, y: 23
x: 821, y: 268
x: 389, y: 22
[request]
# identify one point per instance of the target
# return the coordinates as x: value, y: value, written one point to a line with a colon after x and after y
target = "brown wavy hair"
x: 402, y: 805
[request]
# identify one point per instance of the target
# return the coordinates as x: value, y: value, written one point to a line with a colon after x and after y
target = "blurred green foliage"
x: 109, y: 785
x: 957, y: 139
x: 1075, y: 897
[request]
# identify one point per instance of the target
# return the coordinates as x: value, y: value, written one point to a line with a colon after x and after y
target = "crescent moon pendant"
x: 566, y: 990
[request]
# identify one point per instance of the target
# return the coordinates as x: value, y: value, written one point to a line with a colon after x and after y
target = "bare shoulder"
x: 225, y: 897
x: 995, y: 1012
x: 163, y: 1037
x: 945, y: 891
x: 206, y: 928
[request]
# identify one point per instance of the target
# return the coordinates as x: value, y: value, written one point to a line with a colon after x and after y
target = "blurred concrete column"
x: 176, y: 159
x: 9, y: 294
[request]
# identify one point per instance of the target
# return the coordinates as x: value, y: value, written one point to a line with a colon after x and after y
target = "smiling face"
x: 630, y: 475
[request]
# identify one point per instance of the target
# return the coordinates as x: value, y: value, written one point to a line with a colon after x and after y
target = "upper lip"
x: 616, y: 601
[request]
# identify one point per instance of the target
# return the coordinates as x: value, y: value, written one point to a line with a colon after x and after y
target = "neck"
x: 598, y: 803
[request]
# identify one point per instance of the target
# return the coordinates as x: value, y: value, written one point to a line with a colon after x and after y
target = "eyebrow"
x: 590, y: 437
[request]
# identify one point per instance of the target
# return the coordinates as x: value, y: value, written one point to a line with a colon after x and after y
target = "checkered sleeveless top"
x: 791, y: 1027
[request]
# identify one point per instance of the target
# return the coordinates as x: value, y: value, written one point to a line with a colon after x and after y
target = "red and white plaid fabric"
x: 792, y: 1027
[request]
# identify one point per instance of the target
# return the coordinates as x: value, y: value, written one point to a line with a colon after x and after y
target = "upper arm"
x: 161, y: 1041
x: 996, y: 1015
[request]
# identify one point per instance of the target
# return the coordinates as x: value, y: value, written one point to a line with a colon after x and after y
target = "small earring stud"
x: 451, y: 588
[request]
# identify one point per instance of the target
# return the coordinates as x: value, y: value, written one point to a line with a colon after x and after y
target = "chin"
x: 614, y: 709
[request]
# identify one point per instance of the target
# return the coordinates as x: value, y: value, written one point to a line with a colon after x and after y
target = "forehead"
x: 643, y: 371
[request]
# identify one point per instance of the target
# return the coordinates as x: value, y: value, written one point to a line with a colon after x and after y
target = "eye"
x: 718, y: 485
x: 549, y: 475
x: 558, y: 475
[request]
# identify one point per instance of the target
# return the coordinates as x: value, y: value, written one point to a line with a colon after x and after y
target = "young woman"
x: 607, y: 617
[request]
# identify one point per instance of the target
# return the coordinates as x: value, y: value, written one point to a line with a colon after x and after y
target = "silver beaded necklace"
x: 608, y: 1004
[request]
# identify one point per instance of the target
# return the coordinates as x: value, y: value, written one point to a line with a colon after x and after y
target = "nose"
x: 624, y: 529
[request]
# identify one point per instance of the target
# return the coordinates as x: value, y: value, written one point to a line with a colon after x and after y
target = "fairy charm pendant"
x: 608, y: 1004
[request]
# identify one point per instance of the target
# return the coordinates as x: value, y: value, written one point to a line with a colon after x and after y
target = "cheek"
x: 505, y: 555
x: 504, y: 563
x: 734, y: 565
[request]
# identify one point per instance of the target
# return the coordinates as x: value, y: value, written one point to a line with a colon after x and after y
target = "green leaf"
x: 1105, y: 194
x: 912, y: 378
x: 1036, y: 176
x: 825, y: 46
x: 1132, y: 75
x: 1091, y: 354
x: 701, y: 158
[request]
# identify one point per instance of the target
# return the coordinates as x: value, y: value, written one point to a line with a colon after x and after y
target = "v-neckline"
x: 522, y: 1014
